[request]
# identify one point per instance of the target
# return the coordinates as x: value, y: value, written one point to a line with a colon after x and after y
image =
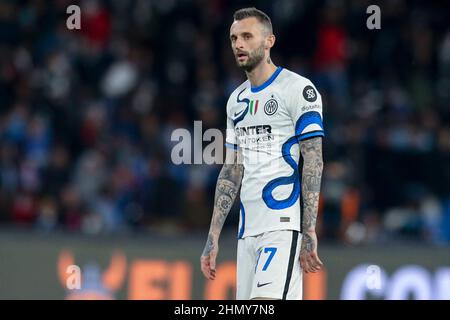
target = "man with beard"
x: 272, y: 118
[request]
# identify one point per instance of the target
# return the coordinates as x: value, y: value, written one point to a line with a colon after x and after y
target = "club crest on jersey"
x: 253, y: 107
x: 271, y: 107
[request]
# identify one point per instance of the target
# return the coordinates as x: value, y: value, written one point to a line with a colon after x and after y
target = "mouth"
x: 241, y: 56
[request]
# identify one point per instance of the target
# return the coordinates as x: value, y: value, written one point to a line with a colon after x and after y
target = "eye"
x: 247, y: 36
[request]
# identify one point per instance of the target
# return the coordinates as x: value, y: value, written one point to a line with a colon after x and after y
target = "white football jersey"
x: 266, y: 123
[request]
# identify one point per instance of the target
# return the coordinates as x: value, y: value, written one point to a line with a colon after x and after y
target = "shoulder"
x: 295, y: 81
x: 299, y: 87
x: 236, y: 91
x: 233, y: 98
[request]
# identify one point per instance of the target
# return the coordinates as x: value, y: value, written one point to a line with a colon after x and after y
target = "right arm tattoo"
x: 227, y: 187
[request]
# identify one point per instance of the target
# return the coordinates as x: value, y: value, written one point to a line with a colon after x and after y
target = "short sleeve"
x: 230, y: 140
x: 305, y: 108
x: 230, y: 135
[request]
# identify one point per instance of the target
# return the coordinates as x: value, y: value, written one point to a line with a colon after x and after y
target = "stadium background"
x: 85, y: 123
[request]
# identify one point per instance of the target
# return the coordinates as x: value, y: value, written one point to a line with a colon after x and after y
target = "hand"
x: 208, y: 258
x: 309, y: 259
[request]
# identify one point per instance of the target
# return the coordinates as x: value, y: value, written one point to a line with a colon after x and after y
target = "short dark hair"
x: 253, y: 12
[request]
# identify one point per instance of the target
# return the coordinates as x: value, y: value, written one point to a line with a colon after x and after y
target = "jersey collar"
x: 268, y: 81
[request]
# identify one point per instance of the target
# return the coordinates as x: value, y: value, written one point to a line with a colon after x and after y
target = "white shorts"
x: 268, y: 266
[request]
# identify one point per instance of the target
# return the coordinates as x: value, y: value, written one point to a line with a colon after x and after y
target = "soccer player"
x: 272, y: 118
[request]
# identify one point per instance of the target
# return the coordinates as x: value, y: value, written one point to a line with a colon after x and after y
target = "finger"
x: 212, y: 262
x: 205, y: 272
x: 212, y: 275
x: 313, y: 269
x: 316, y: 261
x: 204, y: 263
x: 312, y: 265
x: 309, y: 264
x: 315, y: 266
x: 211, y: 266
x: 306, y: 264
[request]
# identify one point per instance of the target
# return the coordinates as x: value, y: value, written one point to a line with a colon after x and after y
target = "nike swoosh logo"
x: 238, y: 113
x: 262, y: 284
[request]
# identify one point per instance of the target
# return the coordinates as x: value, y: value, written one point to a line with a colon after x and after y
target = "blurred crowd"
x: 86, y: 115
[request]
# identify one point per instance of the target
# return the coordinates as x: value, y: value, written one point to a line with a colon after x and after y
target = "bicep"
x: 311, y: 149
x: 233, y: 167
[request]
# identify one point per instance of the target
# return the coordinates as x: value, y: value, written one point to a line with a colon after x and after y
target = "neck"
x: 261, y: 73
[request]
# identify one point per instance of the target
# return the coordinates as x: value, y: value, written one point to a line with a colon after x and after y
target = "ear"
x: 270, y: 41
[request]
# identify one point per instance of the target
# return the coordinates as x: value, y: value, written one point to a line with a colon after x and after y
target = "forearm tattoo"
x: 209, y: 245
x: 311, y: 151
x: 308, y: 243
x: 227, y: 187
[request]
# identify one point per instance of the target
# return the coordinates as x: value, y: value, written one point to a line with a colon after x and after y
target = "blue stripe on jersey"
x: 241, y: 230
x: 247, y: 102
x: 268, y: 81
x: 310, y: 135
x: 293, y: 179
x: 311, y: 117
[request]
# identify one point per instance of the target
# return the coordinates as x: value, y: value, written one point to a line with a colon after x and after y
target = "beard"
x: 254, y: 58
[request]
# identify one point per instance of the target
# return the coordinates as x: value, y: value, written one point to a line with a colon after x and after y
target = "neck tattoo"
x: 268, y: 60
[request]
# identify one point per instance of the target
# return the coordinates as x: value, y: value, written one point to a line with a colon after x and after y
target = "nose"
x: 238, y: 44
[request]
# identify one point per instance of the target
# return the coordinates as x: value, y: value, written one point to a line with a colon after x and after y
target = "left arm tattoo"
x: 311, y: 151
